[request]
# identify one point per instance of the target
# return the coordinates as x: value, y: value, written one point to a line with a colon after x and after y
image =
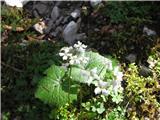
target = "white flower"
x: 90, y: 80
x: 65, y: 53
x: 108, y: 64
x: 94, y: 74
x: 83, y: 59
x: 102, y: 88
x: 118, y: 74
x: 74, y: 60
x: 116, y: 85
x: 66, y: 49
x: 80, y: 47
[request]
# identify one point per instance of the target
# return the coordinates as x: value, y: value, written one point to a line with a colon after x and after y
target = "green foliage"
x: 141, y: 93
x: 95, y: 106
x: 60, y: 85
x: 54, y: 90
x: 103, y: 109
x: 22, y: 69
x: 95, y: 61
x: 65, y: 114
x: 5, y: 116
x: 14, y: 17
x: 116, y: 114
x: 123, y: 12
x: 98, y: 61
x: 56, y: 87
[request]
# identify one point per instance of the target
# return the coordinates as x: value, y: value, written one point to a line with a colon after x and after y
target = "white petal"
x: 71, y: 62
x: 65, y: 57
x: 105, y: 92
x: 119, y: 76
x: 75, y: 45
x: 77, y: 61
x: 69, y: 55
x: 84, y: 46
x: 97, y: 90
x: 116, y: 69
x: 96, y: 77
x: 103, y: 84
x: 61, y: 54
x: 94, y: 70
x: 110, y: 66
x: 89, y: 81
x: 79, y: 43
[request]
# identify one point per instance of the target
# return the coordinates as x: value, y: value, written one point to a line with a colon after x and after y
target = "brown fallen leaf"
x: 35, y: 38
x: 8, y: 27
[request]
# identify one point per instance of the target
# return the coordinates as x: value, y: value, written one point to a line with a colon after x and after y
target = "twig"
x: 16, y: 69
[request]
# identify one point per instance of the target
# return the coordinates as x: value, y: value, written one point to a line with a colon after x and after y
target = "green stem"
x: 80, y: 101
x: 69, y: 84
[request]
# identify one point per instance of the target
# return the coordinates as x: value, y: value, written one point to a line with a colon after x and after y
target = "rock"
x: 50, y: 26
x: 95, y: 2
x: 59, y: 21
x: 39, y: 27
x: 57, y: 31
x: 41, y: 8
x: 70, y: 33
x: 148, y: 31
x: 35, y: 14
x: 81, y: 36
x: 65, y: 20
x: 76, y: 13
x: 96, y: 30
x: 145, y: 71
x: 55, y: 13
x: 131, y: 58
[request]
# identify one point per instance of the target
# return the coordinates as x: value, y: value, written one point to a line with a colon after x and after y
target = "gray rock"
x: 76, y: 13
x: 131, y: 58
x: 148, y: 31
x: 49, y: 26
x: 96, y: 30
x: 65, y: 20
x: 70, y: 33
x: 59, y: 21
x: 145, y: 71
x: 35, y: 14
x: 55, y: 13
x: 81, y: 36
x: 58, y: 3
x: 57, y: 31
x: 41, y: 8
x: 95, y: 2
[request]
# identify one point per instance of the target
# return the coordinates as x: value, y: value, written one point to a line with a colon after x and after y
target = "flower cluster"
x: 74, y: 55
x: 103, y: 87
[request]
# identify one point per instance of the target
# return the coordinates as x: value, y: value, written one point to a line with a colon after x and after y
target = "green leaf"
x: 101, y: 109
x: 79, y: 75
x: 95, y: 61
x: 98, y: 61
x: 53, y: 90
